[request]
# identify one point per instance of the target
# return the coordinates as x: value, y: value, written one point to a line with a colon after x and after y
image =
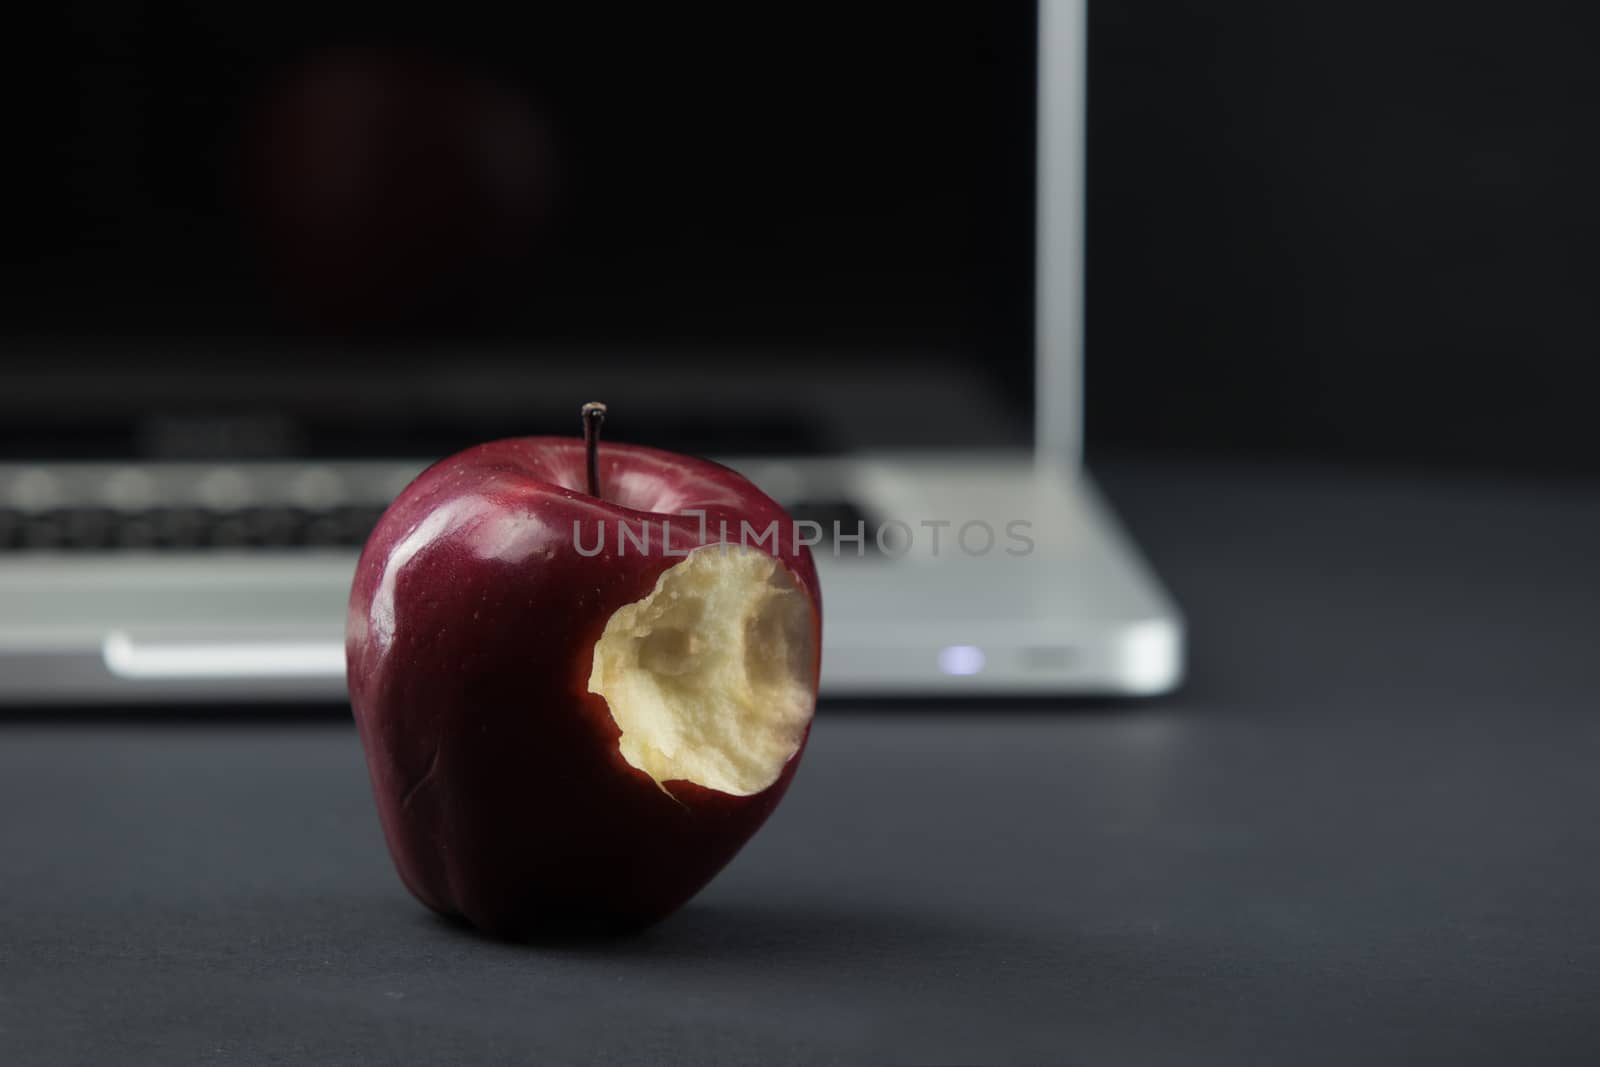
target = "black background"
x: 1357, y: 232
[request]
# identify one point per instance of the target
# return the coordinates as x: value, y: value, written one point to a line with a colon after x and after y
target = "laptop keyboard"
x: 103, y: 529
x: 100, y: 529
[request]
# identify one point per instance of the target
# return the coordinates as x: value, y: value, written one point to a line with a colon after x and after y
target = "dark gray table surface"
x: 1365, y: 832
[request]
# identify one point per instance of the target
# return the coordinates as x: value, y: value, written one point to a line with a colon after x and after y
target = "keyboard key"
x: 273, y: 527
x: 42, y: 531
x: 87, y: 528
x: 850, y: 519
x: 135, y: 531
x: 230, y: 531
x: 176, y: 527
x: 324, y: 531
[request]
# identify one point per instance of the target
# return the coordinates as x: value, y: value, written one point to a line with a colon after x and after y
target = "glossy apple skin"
x: 473, y: 617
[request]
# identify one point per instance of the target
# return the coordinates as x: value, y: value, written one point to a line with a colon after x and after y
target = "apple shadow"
x: 802, y: 934
x: 813, y: 932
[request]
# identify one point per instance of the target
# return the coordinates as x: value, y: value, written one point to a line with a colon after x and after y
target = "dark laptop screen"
x: 242, y: 212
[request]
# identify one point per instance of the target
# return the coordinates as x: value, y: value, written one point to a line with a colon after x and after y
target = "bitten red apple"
x: 577, y: 697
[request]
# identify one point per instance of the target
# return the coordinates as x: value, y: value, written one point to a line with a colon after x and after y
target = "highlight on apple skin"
x: 577, y: 706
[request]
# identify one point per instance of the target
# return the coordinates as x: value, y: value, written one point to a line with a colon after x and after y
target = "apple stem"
x: 594, y: 414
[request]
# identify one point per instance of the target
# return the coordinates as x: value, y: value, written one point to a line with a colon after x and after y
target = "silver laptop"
x: 845, y: 261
